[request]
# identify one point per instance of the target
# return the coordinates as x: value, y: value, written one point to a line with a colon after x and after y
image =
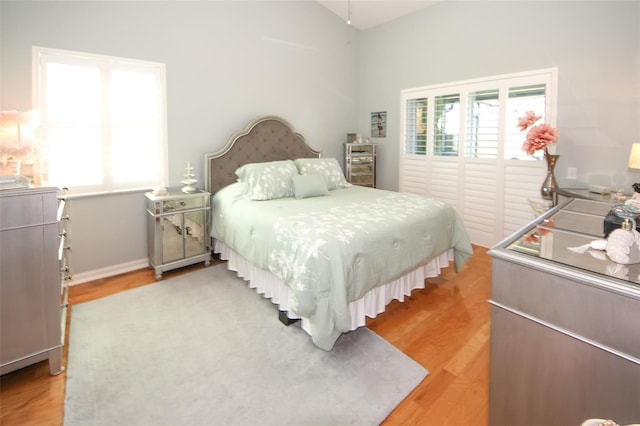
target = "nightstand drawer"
x: 184, y: 204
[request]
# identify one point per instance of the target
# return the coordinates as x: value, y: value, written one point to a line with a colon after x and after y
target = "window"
x: 462, y: 145
x: 416, y: 126
x: 475, y: 119
x: 446, y: 125
x: 103, y: 121
x: 520, y: 100
x: 484, y: 122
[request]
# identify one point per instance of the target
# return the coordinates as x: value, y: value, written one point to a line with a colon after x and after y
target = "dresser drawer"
x: 362, y: 160
x: 363, y: 180
x: 27, y: 210
x: 360, y: 169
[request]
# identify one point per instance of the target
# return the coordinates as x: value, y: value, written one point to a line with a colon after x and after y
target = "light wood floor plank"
x: 444, y: 327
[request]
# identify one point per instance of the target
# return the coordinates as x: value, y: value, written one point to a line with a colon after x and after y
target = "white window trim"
x: 40, y: 53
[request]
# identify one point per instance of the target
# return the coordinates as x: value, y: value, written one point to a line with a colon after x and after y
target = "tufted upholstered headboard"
x: 265, y: 139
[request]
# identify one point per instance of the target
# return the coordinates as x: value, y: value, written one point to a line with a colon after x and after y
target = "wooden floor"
x: 444, y: 327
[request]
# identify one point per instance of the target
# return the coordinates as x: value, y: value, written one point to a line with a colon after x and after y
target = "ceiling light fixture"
x: 348, y: 12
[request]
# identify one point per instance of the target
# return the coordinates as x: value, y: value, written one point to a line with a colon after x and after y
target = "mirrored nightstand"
x: 178, y: 231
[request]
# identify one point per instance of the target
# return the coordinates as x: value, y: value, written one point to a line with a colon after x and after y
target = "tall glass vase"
x: 550, y: 184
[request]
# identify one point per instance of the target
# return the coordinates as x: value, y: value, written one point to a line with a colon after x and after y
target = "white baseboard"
x: 108, y: 271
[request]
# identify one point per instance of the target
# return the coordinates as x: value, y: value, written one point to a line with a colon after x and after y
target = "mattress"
x: 332, y: 250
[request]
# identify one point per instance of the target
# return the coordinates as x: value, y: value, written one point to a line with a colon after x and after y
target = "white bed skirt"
x: 370, y: 305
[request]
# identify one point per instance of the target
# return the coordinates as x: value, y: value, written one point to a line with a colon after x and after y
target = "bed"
x: 323, y: 250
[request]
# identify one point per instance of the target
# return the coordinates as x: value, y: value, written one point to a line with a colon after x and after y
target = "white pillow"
x: 268, y: 181
x: 327, y: 167
x: 306, y: 186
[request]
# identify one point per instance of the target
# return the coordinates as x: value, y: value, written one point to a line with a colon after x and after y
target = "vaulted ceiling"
x: 369, y: 13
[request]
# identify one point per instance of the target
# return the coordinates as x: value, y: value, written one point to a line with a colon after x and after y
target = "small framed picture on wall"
x: 379, y: 124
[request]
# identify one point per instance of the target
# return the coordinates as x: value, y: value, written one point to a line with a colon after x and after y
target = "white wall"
x: 228, y: 62
x: 231, y: 61
x: 594, y: 44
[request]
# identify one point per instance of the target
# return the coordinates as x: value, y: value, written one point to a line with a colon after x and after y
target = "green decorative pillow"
x: 268, y: 181
x: 327, y: 167
x: 306, y: 186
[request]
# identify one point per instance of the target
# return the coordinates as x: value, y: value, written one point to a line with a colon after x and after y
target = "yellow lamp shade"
x: 634, y: 156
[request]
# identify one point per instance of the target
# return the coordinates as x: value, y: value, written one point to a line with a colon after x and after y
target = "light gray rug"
x: 204, y: 349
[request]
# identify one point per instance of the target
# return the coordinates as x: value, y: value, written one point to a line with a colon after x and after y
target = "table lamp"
x: 634, y: 162
x: 18, y: 140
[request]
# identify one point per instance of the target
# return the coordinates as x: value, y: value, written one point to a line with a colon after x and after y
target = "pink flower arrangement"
x: 538, y: 136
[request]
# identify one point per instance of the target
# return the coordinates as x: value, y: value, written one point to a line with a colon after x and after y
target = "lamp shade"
x: 634, y: 156
x: 17, y: 135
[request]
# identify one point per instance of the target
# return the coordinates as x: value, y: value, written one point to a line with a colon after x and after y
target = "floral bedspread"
x: 331, y: 250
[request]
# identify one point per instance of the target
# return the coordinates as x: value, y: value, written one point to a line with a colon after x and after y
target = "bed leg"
x: 282, y: 316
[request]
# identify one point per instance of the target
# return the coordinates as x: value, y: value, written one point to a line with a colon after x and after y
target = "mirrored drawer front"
x: 362, y: 168
x: 356, y: 149
x: 361, y: 160
x: 184, y: 204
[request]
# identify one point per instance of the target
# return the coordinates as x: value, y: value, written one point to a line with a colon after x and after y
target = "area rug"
x: 204, y: 349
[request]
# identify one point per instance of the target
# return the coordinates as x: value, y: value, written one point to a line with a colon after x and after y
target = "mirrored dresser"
x: 177, y: 229
x: 565, y: 323
x: 34, y: 271
x: 360, y: 163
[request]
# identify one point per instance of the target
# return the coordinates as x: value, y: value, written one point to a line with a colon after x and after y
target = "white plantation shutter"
x: 446, y: 125
x: 483, y: 124
x: 520, y: 100
x: 482, y: 192
x: 467, y: 149
x: 522, y: 183
x: 444, y: 180
x: 416, y: 172
x: 416, y: 133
